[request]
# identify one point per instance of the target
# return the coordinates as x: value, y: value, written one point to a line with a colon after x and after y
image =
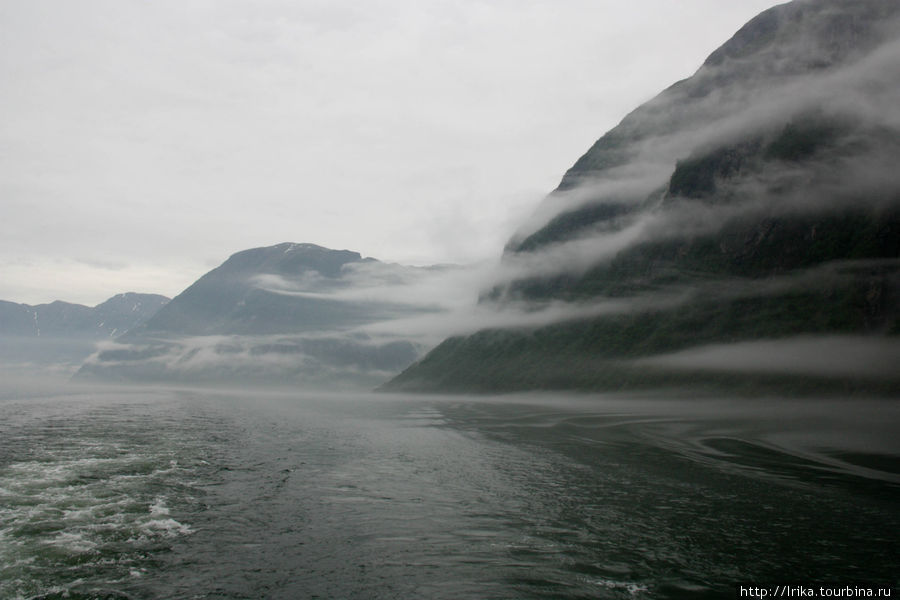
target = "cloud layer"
x: 160, y: 137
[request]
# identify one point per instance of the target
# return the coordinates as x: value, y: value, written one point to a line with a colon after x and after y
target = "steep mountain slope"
x: 758, y: 200
x: 282, y: 314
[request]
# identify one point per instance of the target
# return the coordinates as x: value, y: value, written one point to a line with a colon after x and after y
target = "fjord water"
x: 144, y: 493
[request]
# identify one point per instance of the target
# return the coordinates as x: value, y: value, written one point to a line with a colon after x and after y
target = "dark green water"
x: 163, y: 494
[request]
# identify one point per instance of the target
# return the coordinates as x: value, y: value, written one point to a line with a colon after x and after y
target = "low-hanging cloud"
x: 825, y: 356
x: 675, y: 127
x: 423, y: 288
x: 332, y: 360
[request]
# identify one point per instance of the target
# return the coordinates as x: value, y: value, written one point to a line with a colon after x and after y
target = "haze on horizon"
x: 143, y: 143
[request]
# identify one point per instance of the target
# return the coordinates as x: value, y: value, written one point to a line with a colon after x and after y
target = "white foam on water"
x: 78, y: 514
x: 161, y: 524
x: 159, y: 508
x: 73, y: 541
x: 631, y: 587
x: 67, y: 512
x: 166, y: 528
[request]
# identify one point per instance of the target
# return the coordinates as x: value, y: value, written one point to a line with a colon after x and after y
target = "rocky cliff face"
x: 758, y: 200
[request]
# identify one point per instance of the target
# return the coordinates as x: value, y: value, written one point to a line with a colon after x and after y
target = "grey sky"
x: 141, y: 143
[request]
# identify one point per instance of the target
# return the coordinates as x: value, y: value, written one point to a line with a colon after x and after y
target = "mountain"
x: 65, y: 320
x: 741, y: 228
x: 284, y: 314
x: 272, y: 290
x: 66, y: 332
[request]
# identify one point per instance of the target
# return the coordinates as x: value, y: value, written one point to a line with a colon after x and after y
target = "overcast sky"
x: 142, y: 143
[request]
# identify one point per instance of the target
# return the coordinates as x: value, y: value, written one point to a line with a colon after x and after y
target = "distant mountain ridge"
x: 58, y: 336
x: 756, y: 200
x: 57, y: 319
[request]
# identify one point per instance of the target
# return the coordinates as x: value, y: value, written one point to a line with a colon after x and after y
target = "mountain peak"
x: 288, y: 258
x: 807, y: 34
x: 223, y: 299
x: 133, y: 302
x: 798, y: 57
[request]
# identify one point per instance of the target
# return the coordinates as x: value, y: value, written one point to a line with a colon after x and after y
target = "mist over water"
x: 153, y: 493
